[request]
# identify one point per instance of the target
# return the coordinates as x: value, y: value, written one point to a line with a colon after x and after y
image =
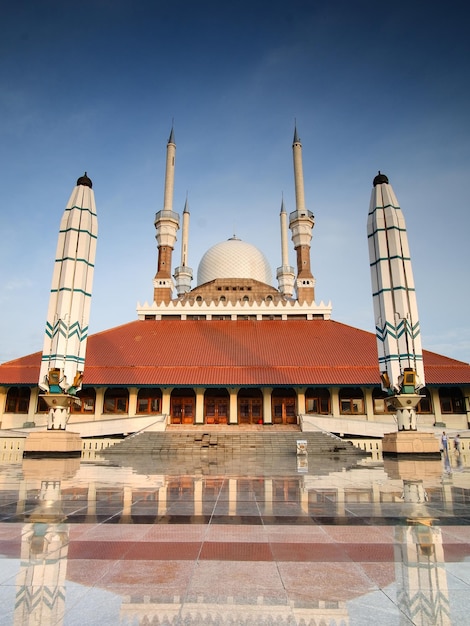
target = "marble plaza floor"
x: 252, y: 541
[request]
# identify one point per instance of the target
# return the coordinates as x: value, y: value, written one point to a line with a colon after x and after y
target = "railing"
x: 161, y: 418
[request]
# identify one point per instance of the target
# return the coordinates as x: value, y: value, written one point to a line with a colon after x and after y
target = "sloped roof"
x: 234, y: 353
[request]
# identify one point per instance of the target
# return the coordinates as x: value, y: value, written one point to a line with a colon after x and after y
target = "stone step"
x: 232, y: 444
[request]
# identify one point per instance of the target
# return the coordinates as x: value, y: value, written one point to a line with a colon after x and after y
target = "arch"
x: 250, y: 406
x: 87, y: 396
x: 182, y: 406
x: 18, y: 400
x: 318, y: 400
x: 284, y: 405
x: 425, y: 404
x: 351, y: 401
x: 379, y: 400
x: 116, y: 400
x: 452, y: 400
x: 149, y: 400
x: 216, y: 406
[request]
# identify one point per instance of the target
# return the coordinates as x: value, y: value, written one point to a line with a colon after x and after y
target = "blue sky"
x: 95, y: 86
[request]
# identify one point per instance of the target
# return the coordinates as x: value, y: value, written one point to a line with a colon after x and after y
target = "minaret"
x: 63, y: 357
x: 301, y: 223
x: 395, y: 307
x: 285, y: 274
x: 183, y: 273
x: 166, y: 224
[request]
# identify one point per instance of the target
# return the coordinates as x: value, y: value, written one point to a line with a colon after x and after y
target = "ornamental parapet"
x: 202, y: 309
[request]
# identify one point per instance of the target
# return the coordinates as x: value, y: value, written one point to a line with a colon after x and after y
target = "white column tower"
x: 395, y: 306
x: 63, y: 356
x: 286, y: 273
x: 166, y: 224
x: 301, y: 222
x: 183, y: 273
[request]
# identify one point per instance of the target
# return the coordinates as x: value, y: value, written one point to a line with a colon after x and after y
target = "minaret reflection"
x: 422, y: 591
x: 40, y: 583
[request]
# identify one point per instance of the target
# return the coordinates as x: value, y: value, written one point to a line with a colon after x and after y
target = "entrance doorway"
x: 284, y: 406
x: 182, y: 407
x: 216, y: 406
x: 250, y: 407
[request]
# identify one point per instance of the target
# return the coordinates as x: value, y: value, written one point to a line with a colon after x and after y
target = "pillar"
x: 133, y: 391
x: 166, y: 400
x: 33, y: 404
x: 99, y: 401
x: 334, y: 394
x: 436, y: 404
x: 199, y: 417
x: 233, y: 409
x: 301, y: 400
x: 369, y: 403
x: 267, y: 407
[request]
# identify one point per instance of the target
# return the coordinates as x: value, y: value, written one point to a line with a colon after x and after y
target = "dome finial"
x: 380, y: 179
x: 85, y: 181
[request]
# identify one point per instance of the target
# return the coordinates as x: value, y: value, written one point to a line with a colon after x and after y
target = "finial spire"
x: 296, y: 136
x: 172, y: 133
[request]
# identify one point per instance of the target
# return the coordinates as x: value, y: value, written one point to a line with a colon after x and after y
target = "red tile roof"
x: 238, y: 353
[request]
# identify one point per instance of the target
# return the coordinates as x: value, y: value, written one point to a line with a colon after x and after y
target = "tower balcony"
x: 167, y: 216
x: 303, y: 216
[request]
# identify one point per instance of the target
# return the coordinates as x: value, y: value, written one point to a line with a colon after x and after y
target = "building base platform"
x: 53, y: 443
x: 410, y: 442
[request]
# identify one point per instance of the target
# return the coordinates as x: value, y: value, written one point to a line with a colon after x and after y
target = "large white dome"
x: 234, y: 259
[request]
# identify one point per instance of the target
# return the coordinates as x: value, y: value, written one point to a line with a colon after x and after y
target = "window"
x: 425, y: 404
x: 116, y: 400
x: 380, y: 399
x: 451, y: 400
x: 318, y: 401
x: 149, y: 401
x: 18, y: 400
x: 88, y: 399
x: 351, y: 401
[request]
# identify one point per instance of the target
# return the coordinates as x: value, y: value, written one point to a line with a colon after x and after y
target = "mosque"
x: 234, y: 349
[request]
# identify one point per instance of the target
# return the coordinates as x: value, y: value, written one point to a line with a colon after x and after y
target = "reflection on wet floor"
x: 295, y: 541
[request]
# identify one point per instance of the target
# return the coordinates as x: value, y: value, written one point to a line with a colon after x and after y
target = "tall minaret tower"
x: 166, y: 223
x: 395, y: 305
x: 183, y: 273
x: 301, y: 224
x: 286, y: 273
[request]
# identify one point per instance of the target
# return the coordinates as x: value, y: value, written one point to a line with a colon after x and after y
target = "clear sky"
x: 94, y: 86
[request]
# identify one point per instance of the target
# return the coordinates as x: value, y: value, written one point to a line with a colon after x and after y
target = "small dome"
x: 380, y: 179
x: 234, y: 259
x: 84, y: 180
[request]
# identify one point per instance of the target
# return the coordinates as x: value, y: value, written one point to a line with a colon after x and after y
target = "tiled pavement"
x: 127, y: 540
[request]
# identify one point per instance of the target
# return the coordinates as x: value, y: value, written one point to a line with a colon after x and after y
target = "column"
x: 436, y: 404
x: 267, y: 408
x: 166, y: 400
x: 133, y: 391
x: 369, y: 404
x: 301, y: 400
x: 99, y: 401
x: 199, y: 417
x: 33, y: 403
x: 334, y: 393
x: 233, y: 410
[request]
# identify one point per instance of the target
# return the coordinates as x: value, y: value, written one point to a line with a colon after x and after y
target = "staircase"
x: 232, y: 444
